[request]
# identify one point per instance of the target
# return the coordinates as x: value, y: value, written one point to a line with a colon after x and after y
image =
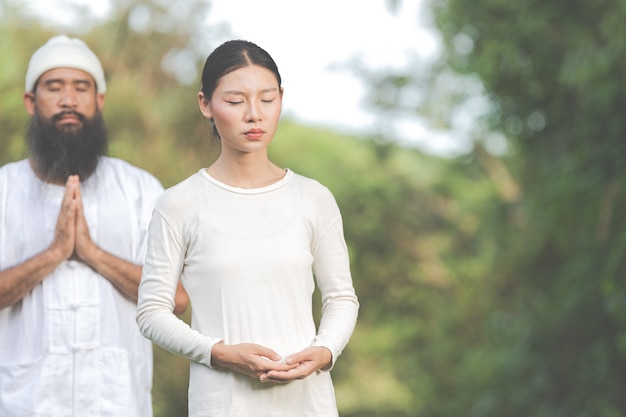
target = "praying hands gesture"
x: 71, y: 234
x: 73, y: 241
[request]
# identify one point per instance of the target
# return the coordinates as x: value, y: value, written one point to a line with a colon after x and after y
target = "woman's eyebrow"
x: 266, y: 90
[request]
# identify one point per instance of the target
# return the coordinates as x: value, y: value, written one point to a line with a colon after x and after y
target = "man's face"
x: 62, y: 94
x: 66, y: 135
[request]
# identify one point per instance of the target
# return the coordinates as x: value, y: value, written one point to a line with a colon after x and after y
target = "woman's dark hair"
x: 230, y: 56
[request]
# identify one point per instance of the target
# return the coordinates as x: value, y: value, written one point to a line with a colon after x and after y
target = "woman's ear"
x: 205, y: 106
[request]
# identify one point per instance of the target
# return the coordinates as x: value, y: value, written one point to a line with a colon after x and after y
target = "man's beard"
x: 59, y: 153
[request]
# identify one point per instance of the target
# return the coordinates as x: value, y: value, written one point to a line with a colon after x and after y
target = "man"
x: 73, y: 225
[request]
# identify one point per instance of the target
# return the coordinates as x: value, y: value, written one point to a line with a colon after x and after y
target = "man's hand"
x: 85, y: 248
x: 303, y: 364
x: 71, y: 236
x: 72, y: 239
x: 65, y: 230
x: 20, y: 279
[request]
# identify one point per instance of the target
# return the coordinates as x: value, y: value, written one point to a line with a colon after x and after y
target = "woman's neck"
x: 246, y: 172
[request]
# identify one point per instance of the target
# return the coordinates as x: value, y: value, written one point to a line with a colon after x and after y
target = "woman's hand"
x: 303, y: 364
x: 249, y: 359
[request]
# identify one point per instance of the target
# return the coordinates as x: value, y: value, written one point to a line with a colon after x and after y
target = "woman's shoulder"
x: 311, y: 186
x: 191, y: 181
x: 181, y: 194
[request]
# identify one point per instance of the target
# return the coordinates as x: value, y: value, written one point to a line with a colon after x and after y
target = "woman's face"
x: 245, y: 108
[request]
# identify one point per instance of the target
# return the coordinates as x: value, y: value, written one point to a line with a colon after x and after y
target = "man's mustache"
x: 78, y: 115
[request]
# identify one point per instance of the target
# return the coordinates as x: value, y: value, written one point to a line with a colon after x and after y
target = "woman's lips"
x: 255, y: 133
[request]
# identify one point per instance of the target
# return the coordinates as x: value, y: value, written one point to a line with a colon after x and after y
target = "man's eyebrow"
x: 62, y: 81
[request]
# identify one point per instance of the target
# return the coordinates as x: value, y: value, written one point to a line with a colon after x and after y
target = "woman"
x: 249, y: 240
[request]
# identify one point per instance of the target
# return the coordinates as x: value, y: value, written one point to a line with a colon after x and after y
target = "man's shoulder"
x: 119, y: 168
x: 14, y: 166
x: 15, y: 172
x: 121, y: 165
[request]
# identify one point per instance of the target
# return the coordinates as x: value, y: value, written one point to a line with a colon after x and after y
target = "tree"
x: 553, y: 76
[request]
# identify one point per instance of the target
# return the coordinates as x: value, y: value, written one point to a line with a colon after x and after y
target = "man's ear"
x: 100, y: 101
x: 29, y: 102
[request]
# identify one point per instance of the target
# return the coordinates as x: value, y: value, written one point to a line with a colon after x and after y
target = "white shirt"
x: 71, y: 346
x: 249, y: 259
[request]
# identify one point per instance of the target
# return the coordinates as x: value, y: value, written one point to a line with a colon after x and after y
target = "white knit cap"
x: 64, y: 52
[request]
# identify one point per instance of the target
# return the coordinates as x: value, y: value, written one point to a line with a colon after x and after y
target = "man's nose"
x: 68, y: 98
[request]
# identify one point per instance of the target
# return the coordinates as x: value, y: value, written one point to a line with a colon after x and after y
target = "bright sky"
x: 308, y: 39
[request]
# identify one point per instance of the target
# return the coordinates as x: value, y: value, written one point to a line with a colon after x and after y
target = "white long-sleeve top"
x: 249, y: 259
x: 71, y: 346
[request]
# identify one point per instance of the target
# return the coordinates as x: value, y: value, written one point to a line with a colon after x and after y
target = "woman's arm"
x: 157, y: 293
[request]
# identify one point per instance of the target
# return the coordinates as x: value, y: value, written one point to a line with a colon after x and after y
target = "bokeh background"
x: 492, y: 279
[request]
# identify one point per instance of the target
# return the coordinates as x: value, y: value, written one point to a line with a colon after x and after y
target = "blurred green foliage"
x: 549, y: 318
x: 554, y: 72
x: 489, y: 285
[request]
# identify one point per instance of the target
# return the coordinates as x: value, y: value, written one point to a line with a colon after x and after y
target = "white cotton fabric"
x: 71, y: 347
x: 249, y: 259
